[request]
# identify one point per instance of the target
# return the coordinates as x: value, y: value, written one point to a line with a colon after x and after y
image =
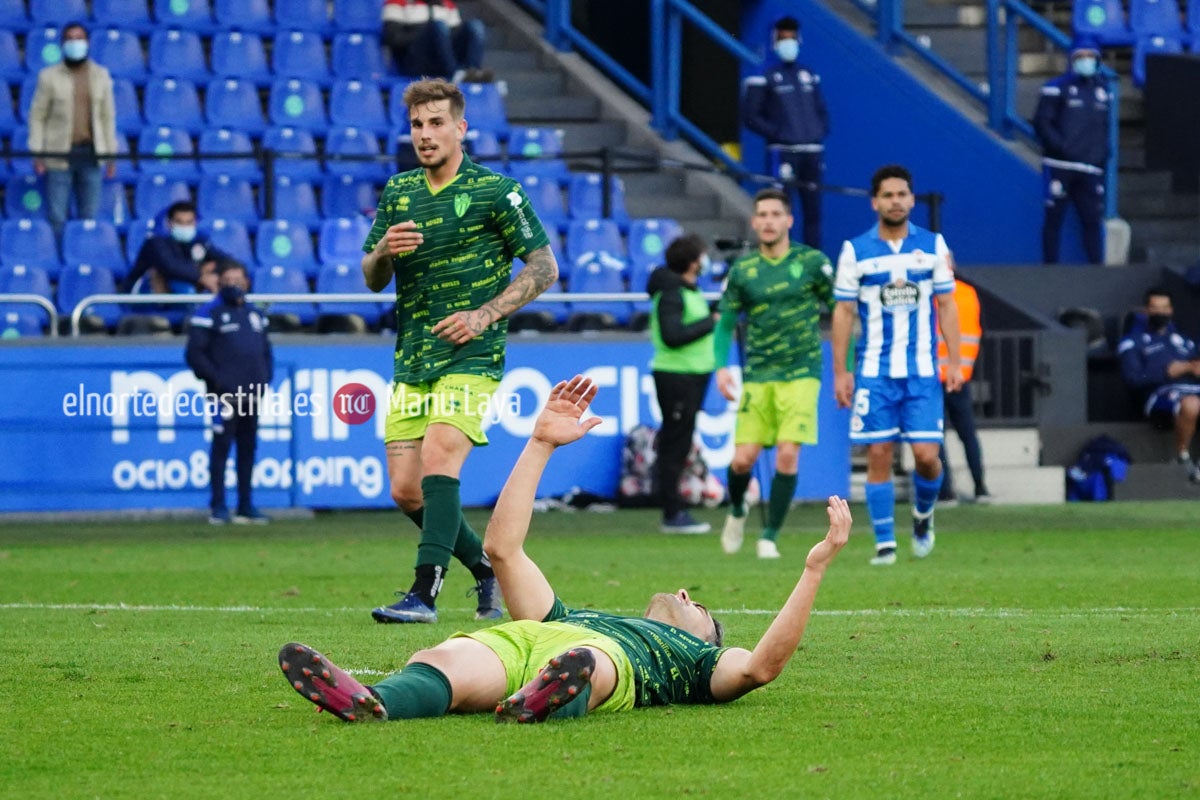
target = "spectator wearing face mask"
x: 1072, y: 123
x: 785, y: 106
x: 181, y: 261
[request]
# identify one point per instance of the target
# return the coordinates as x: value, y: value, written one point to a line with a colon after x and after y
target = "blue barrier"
x: 91, y: 426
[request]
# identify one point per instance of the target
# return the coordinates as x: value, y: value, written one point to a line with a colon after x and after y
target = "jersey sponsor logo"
x: 514, y: 198
x: 461, y: 203
x: 1101, y: 95
x: 900, y: 297
x: 198, y: 251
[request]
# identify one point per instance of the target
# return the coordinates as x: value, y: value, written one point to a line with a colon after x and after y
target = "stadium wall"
x: 880, y: 114
x: 81, y: 432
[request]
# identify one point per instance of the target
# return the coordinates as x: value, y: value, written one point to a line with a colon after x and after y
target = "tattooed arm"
x: 541, y: 270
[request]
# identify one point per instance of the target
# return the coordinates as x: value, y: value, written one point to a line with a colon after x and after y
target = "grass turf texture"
x: 1048, y: 652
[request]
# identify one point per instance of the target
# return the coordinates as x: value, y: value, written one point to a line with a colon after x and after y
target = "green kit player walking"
x: 448, y: 232
x: 780, y: 289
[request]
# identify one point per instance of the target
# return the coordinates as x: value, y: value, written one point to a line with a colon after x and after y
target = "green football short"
x: 462, y: 401
x: 778, y: 411
x: 525, y: 647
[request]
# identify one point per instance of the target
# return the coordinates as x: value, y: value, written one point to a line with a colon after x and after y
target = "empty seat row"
x: 1107, y: 21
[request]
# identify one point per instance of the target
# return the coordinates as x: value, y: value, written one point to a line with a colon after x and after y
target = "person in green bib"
x: 681, y: 329
x: 447, y: 232
x: 780, y: 290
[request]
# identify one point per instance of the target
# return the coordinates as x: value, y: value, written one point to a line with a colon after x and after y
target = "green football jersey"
x: 670, y: 665
x: 474, y: 227
x: 782, y: 302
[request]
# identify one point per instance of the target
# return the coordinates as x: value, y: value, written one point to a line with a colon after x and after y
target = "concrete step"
x: 576, y: 108
x: 1161, y: 230
x: 678, y: 206
x: 534, y: 83
x: 924, y: 14
x: 520, y: 60
x: 1008, y: 486
x: 585, y: 137
x: 1156, y: 482
x: 664, y: 182
x: 1138, y: 207
x: 1153, y: 182
x: 1001, y: 447
x: 717, y: 227
x: 1164, y: 253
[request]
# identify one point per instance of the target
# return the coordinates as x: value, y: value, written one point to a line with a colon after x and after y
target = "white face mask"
x: 787, y: 49
x: 1085, y: 66
x: 75, y: 49
x: 183, y: 233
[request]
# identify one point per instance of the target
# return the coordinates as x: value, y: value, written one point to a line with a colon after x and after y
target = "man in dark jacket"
x: 1072, y: 123
x: 681, y: 328
x: 1159, y: 363
x: 785, y: 106
x: 229, y: 350
x: 181, y: 261
x: 432, y: 38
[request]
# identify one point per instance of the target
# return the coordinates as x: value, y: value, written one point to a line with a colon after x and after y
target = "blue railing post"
x: 558, y: 20
x: 674, y: 70
x: 890, y: 21
x: 1012, y: 58
x: 996, y: 71
x: 659, y: 114
x: 1114, y: 144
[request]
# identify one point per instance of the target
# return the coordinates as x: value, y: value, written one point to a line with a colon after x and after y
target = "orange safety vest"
x: 967, y: 301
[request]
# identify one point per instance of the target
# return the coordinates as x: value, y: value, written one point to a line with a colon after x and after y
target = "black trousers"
x: 1086, y: 192
x: 808, y: 170
x: 240, y: 429
x: 680, y: 396
x: 961, y: 416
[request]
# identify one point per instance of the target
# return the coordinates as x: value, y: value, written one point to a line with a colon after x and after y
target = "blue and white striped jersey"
x: 894, y: 284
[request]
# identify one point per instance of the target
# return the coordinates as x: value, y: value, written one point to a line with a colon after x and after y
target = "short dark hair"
x: 180, y: 206
x: 229, y: 265
x: 430, y: 90
x: 71, y: 25
x: 683, y: 251
x: 1157, y: 291
x: 718, y: 632
x: 772, y: 193
x: 787, y: 24
x: 890, y: 171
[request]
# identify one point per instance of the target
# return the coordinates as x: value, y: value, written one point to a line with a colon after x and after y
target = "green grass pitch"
x: 1039, y: 652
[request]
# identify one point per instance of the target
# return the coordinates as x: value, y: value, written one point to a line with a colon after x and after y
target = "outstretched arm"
x: 526, y: 591
x: 740, y: 671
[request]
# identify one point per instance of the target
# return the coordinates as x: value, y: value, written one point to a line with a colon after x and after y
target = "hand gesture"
x: 403, y: 237
x: 954, y: 378
x: 843, y: 389
x: 462, y: 326
x: 839, y: 533
x: 727, y: 385
x: 559, y: 423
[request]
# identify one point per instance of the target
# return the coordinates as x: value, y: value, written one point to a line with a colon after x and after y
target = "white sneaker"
x: 923, y: 538
x: 733, y: 533
x: 767, y: 549
x: 884, y: 559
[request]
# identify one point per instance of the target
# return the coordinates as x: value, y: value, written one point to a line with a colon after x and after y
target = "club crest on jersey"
x: 900, y: 296
x: 461, y: 203
x: 402, y: 202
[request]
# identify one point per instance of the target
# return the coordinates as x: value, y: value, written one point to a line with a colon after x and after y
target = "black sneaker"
x: 409, y: 609
x: 490, y: 599
x: 683, y: 522
x: 557, y: 684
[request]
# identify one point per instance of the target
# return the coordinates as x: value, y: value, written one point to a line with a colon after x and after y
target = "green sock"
x: 738, y: 482
x: 419, y: 690
x: 783, y: 487
x: 468, y: 548
x: 577, y: 707
x: 442, y: 513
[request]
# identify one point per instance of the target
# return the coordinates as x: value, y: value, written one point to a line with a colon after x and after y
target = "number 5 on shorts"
x: 862, y: 402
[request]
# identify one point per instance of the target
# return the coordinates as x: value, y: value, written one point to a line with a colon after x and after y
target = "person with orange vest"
x: 958, y: 405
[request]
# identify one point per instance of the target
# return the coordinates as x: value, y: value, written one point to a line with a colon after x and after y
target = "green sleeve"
x: 824, y: 283
x: 517, y: 221
x: 723, y: 336
x: 383, y: 219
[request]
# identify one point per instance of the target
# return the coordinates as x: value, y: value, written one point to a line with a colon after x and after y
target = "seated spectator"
x: 430, y: 38
x: 180, y: 261
x: 1163, y: 366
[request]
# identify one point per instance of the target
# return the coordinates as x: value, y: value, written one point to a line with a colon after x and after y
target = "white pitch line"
x: 858, y: 612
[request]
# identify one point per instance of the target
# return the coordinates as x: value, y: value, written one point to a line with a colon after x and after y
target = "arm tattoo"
x: 540, y: 271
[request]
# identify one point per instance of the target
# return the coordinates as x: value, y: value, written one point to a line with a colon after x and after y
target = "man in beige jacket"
x: 73, y: 115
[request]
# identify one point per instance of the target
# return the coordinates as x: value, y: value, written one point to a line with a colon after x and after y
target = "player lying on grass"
x: 553, y: 661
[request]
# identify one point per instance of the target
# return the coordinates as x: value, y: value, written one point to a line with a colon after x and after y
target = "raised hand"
x: 840, y: 521
x: 559, y: 423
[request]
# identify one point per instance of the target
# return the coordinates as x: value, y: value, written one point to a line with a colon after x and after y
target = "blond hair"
x: 431, y: 90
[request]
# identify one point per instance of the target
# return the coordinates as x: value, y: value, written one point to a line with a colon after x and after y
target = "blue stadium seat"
x: 357, y: 56
x: 12, y: 68
x: 282, y: 241
x: 188, y: 15
x: 24, y: 197
x: 121, y: 52
x: 231, y: 237
x: 42, y: 49
x: 297, y: 142
x: 78, y: 281
x: 1193, y: 22
x: 542, y: 147
x: 358, y: 104
x: 648, y: 240
x: 1149, y: 45
x: 294, y: 199
x: 345, y: 279
x: 346, y: 196
x: 297, y: 104
x: 300, y: 54
x: 282, y: 279
x: 585, y: 198
x: 95, y: 242
x: 173, y: 102
x: 129, y: 111
x: 227, y: 198
x: 23, y: 318
x: 539, y: 315
x: 153, y: 193
x: 1103, y: 19
x: 8, y: 116
x: 129, y: 15
x: 482, y: 145
x: 397, y: 111
x: 303, y: 15
x: 556, y: 245
x: 341, y: 240
x: 57, y: 12
x: 253, y: 16
x: 234, y: 104
x: 588, y: 236
x: 20, y: 165
x: 240, y: 55
x: 164, y: 141
x: 25, y: 97
x: 485, y: 108
x: 178, y: 54
x: 127, y: 172
x: 222, y: 141
x: 142, y: 229
x: 354, y: 142
x: 13, y: 17
x: 1155, y: 18
x: 547, y: 198
x: 599, y: 272
x: 356, y: 15
x: 30, y: 242
x: 114, y: 204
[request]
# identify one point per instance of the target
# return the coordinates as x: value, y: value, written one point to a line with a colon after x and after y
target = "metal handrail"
x: 36, y: 300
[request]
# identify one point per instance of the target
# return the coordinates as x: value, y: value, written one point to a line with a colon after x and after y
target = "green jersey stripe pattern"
x: 474, y: 227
